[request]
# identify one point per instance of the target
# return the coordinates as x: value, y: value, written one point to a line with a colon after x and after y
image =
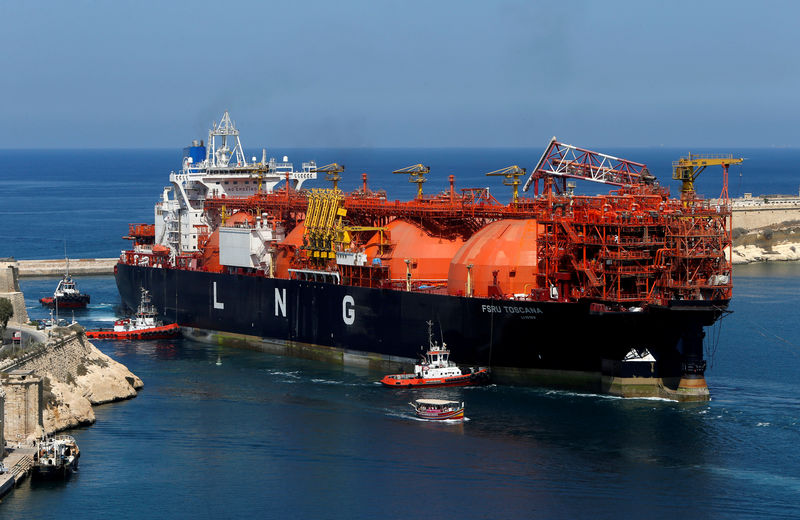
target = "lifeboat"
x: 437, y: 370
x: 143, y: 325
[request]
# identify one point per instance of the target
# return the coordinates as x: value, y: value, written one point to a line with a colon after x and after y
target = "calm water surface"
x: 278, y: 437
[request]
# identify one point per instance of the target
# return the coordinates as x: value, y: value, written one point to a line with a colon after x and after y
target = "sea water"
x: 227, y: 433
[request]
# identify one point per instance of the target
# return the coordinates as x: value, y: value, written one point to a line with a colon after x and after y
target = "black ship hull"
x: 572, y: 345
x: 61, y: 471
x: 66, y: 302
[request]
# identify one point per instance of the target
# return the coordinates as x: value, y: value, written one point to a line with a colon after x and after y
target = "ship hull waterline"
x: 550, y: 344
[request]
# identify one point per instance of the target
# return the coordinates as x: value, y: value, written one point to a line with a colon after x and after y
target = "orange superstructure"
x: 632, y: 246
x: 616, y: 288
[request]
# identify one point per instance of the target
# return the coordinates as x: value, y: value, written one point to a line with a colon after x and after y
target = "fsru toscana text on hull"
x: 570, y: 345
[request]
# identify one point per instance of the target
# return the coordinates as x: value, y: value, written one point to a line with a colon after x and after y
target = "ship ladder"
x: 594, y: 281
x: 571, y: 232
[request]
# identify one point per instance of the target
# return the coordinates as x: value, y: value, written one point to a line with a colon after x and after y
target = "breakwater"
x: 79, y: 266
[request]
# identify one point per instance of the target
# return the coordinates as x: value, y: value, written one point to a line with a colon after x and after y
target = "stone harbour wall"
x: 65, y: 351
x: 757, y: 217
x: 2, y: 421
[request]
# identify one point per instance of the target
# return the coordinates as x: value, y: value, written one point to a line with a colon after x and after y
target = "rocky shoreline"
x: 75, y: 376
x: 94, y: 379
x: 778, y: 243
x: 778, y: 253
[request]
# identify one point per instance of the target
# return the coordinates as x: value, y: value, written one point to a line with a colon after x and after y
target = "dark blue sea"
x: 225, y: 433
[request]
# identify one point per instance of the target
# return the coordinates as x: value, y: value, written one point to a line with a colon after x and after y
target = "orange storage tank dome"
x: 430, y: 255
x: 506, y: 246
x: 240, y: 217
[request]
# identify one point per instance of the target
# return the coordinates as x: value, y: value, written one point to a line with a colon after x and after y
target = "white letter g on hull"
x: 348, y: 310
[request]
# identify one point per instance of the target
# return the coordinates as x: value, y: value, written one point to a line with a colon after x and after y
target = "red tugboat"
x: 436, y: 369
x: 142, y: 326
x: 66, y: 295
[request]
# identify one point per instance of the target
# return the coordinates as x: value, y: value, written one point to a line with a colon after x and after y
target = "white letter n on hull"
x: 217, y: 305
x: 280, y: 301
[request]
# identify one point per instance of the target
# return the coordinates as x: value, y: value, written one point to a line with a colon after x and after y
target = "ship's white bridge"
x: 218, y: 170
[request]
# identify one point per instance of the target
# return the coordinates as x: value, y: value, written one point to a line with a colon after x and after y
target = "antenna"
x: 66, y: 258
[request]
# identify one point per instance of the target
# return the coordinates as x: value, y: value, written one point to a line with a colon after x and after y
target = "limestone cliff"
x: 76, y: 376
x: 780, y: 242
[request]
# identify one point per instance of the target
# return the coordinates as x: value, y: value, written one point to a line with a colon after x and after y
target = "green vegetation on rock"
x: 6, y: 312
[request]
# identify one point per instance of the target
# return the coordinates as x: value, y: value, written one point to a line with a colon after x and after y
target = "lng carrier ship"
x: 608, y: 293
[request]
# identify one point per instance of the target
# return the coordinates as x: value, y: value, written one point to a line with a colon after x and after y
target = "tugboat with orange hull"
x: 143, y: 325
x: 438, y: 409
x: 436, y: 369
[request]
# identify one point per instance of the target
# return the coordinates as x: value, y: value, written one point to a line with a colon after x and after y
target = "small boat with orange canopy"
x: 144, y: 325
x: 436, y: 369
x: 438, y: 409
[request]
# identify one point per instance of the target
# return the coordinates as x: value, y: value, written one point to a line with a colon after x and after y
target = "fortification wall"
x: 759, y: 216
x: 23, y: 406
x: 62, y: 356
x: 9, y: 273
x: 2, y: 421
x: 9, y: 288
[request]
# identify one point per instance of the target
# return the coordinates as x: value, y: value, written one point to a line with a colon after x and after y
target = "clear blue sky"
x: 400, y: 73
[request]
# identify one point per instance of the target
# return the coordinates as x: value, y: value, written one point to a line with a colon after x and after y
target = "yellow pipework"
x: 323, y: 208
